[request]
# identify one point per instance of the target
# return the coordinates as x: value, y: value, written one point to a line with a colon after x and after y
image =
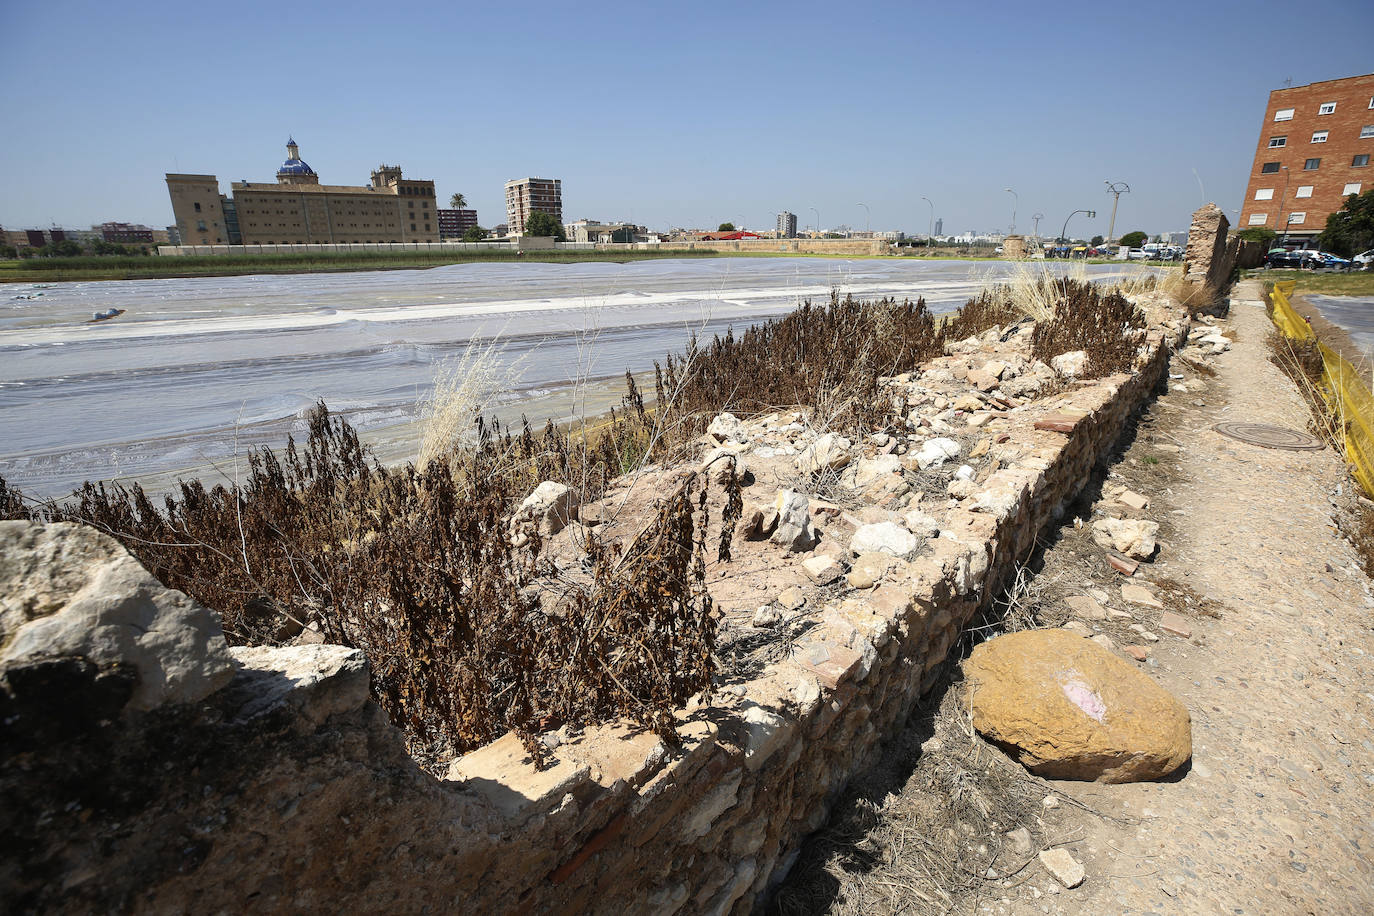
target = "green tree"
x: 1097, y: 240
x: 1134, y: 239
x: 623, y: 234
x: 726, y: 227
x: 1350, y: 230
x: 8, y: 252
x: 1258, y: 234
x: 541, y: 223
x: 458, y: 202
x: 475, y: 234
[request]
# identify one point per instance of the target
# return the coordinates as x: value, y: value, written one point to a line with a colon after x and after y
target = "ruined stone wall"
x: 1213, y: 255
x: 288, y: 791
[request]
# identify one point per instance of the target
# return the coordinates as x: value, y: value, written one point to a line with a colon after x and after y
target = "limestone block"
x: 67, y: 590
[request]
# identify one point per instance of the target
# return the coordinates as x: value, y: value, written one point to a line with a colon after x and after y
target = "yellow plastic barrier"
x: 1346, y: 395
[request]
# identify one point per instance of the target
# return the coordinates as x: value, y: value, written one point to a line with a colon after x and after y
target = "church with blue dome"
x: 297, y: 209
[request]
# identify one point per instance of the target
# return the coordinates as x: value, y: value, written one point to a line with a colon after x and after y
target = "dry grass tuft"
x: 463, y: 392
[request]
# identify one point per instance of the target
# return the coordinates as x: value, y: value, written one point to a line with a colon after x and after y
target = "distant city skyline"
x: 883, y: 105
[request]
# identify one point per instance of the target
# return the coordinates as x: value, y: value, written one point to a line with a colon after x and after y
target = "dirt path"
x: 1275, y: 815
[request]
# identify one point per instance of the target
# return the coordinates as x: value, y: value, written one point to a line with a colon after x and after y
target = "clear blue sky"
x: 666, y: 114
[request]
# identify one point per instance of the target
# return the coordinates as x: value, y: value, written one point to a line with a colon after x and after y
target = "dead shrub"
x: 1104, y: 325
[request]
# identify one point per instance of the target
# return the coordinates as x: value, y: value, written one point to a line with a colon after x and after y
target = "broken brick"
x: 1173, y: 623
x: 1122, y: 565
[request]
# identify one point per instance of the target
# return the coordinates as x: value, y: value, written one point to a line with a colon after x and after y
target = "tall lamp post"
x: 1115, y: 188
x: 930, y: 236
x: 1037, y: 218
x: 1282, y: 198
x: 1064, y: 238
x: 868, y: 223
x: 818, y: 220
x: 1016, y: 201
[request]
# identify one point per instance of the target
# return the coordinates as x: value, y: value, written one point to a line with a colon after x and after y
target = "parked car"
x: 1364, y: 260
x: 1136, y: 254
x: 1322, y: 259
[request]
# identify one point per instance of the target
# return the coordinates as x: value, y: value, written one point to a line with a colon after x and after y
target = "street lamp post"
x: 1117, y: 189
x: 818, y: 220
x: 1064, y: 238
x: 1037, y: 218
x: 868, y: 223
x: 1016, y: 201
x: 930, y: 236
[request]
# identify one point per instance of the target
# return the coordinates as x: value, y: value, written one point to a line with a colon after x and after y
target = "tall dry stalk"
x: 462, y: 393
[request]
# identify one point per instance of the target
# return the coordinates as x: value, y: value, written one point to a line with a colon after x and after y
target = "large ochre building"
x: 297, y: 209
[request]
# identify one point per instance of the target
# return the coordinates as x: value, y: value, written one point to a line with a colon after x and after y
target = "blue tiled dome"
x: 295, y: 167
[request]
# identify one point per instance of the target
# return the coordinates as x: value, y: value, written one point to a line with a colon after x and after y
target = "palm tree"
x: 458, y: 202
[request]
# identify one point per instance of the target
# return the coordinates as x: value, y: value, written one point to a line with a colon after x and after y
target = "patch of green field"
x: 1323, y: 283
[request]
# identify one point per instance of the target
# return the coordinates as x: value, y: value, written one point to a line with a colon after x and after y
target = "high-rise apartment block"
x: 1313, y: 152
x: 787, y: 225
x: 297, y: 209
x: 529, y: 195
x: 454, y: 223
x: 940, y: 226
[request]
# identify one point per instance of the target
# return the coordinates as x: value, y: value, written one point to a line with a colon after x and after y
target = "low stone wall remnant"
x: 287, y: 790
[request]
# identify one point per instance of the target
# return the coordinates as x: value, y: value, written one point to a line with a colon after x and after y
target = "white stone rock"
x: 727, y: 427
x: 829, y: 452
x: 884, y: 537
x: 935, y: 452
x: 965, y: 472
x: 766, y: 616
x: 794, y: 529
x: 1132, y: 536
x: 869, y: 470
x: 1063, y: 866
x: 921, y: 525
x: 1071, y: 364
x: 67, y: 590
x: 551, y: 507
x: 823, y: 569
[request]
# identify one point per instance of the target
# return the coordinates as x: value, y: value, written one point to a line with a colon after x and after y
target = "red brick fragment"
x: 1058, y: 422
x: 589, y: 849
x: 1170, y: 622
x: 1139, y: 653
x: 1122, y: 565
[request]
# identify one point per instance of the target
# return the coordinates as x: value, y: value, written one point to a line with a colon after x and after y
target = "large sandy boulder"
x: 71, y: 593
x: 1068, y: 709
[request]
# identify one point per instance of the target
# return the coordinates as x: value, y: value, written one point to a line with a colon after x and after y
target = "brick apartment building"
x: 527, y: 195
x: 453, y: 223
x: 1314, y: 151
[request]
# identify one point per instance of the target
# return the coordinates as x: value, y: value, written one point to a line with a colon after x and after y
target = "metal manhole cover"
x: 1266, y: 436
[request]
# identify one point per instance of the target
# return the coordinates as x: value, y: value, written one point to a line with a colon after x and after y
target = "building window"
x: 1269, y: 168
x: 1259, y: 219
x: 200, y: 225
x: 1297, y: 218
x: 412, y: 227
x: 1327, y: 108
x: 1311, y: 165
x: 1283, y: 114
x: 1371, y: 102
x: 1367, y: 131
x: 426, y: 227
x: 1264, y: 194
x: 1276, y: 142
x: 1304, y: 191
x: 1352, y: 188
x: 197, y: 207
x: 1319, y: 136
x: 1360, y: 161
